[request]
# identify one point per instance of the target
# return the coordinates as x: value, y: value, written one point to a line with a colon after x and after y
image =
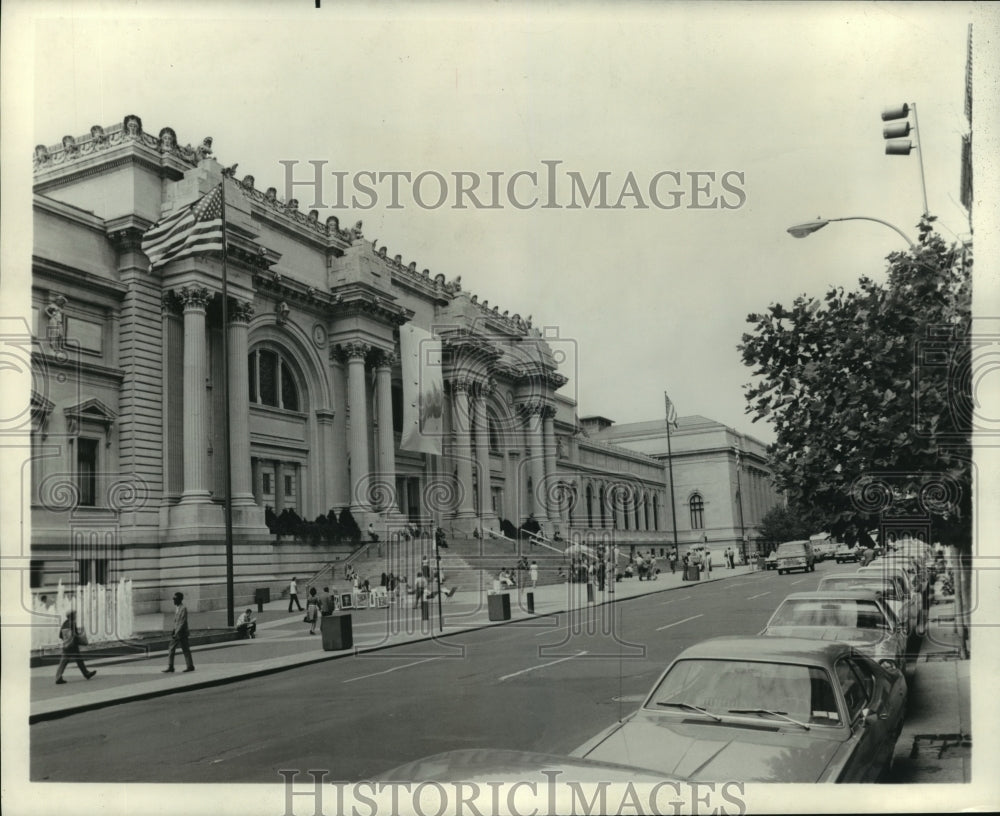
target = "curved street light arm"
x: 913, y: 246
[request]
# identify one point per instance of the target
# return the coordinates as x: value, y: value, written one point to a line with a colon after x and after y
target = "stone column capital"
x: 385, y: 359
x: 354, y: 350
x: 239, y: 311
x: 194, y: 297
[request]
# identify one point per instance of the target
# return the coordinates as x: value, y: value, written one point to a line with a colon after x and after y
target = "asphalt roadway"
x: 544, y: 684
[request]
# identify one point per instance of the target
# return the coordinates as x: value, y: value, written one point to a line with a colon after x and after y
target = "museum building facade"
x: 139, y: 368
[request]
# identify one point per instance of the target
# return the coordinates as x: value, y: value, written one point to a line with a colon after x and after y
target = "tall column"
x: 258, y: 493
x: 279, y: 486
x: 482, y: 393
x: 536, y: 454
x: 195, y: 300
x: 463, y: 447
x: 239, y: 404
x: 357, y: 440
x: 386, y: 434
x: 549, y: 446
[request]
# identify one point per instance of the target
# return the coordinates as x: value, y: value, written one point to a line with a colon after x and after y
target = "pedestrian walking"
x: 293, y: 595
x: 708, y: 561
x: 312, y: 610
x: 533, y: 573
x: 673, y: 561
x: 419, y: 586
x: 425, y: 569
x: 72, y: 638
x: 179, y: 636
x: 440, y: 539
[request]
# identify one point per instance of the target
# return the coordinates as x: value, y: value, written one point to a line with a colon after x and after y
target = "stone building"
x: 722, y: 483
x: 132, y: 399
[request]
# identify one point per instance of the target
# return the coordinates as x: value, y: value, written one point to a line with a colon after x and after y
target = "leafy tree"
x: 869, y: 394
x: 782, y: 523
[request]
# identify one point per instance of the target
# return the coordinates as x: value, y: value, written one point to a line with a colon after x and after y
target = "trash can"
x: 531, y: 602
x: 499, y: 606
x: 590, y: 593
x: 693, y: 573
x: 337, y: 632
x: 261, y: 596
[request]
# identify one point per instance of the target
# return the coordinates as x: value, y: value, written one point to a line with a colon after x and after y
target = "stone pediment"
x: 90, y: 412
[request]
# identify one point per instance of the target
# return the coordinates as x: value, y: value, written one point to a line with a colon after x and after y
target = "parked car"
x: 763, y: 710
x: 859, y: 617
x: 845, y: 553
x: 910, y: 589
x: 503, y: 765
x: 893, y: 589
x: 793, y: 555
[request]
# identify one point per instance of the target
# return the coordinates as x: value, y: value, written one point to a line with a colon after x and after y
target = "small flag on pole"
x: 193, y: 229
x: 671, y: 411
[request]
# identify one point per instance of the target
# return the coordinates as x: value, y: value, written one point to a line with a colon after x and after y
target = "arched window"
x: 590, y: 505
x: 656, y: 512
x: 271, y: 380
x: 697, y: 505
x: 600, y: 499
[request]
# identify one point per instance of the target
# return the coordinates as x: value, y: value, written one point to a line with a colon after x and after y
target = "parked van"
x: 793, y: 555
x: 823, y: 546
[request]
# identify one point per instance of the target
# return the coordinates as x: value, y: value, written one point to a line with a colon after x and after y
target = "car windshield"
x: 849, y: 613
x: 786, y: 550
x: 740, y: 687
x: 874, y: 582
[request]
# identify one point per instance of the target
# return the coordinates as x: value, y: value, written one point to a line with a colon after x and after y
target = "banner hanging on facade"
x: 423, y: 391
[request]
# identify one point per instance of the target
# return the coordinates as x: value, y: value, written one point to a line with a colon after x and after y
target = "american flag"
x: 671, y: 411
x: 196, y: 228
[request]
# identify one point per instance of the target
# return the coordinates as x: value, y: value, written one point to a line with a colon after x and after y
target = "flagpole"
x: 670, y: 467
x: 230, y: 602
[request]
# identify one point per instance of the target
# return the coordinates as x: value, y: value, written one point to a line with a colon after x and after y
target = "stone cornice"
x: 77, y: 277
x: 288, y: 217
x: 61, y: 209
x: 48, y: 361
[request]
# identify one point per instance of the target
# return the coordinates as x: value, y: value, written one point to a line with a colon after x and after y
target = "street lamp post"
x: 802, y: 230
x: 739, y: 496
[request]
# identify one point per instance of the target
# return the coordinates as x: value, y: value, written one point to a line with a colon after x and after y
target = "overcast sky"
x: 786, y: 96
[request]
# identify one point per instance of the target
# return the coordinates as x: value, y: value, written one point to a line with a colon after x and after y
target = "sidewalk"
x: 283, y: 642
x: 935, y: 745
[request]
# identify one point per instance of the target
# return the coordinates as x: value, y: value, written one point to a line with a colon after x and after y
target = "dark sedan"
x: 763, y: 710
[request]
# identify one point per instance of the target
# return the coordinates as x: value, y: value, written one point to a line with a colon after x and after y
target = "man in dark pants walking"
x: 180, y: 635
x: 293, y: 595
x: 71, y: 638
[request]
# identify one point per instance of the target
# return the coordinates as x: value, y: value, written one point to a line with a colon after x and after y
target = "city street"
x: 543, y: 684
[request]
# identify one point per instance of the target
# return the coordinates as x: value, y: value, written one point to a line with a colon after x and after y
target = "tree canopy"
x: 870, y: 395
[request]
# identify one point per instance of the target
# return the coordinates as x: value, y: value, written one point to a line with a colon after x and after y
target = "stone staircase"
x: 468, y: 563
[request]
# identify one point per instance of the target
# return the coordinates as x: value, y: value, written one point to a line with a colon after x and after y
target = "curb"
x: 80, y: 708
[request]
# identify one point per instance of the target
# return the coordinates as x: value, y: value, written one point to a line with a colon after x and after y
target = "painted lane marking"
x: 387, y: 671
x: 678, y: 623
x: 542, y: 666
x: 797, y: 582
x: 759, y: 595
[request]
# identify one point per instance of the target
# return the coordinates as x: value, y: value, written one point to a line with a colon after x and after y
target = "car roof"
x: 768, y: 650
x: 797, y: 541
x: 834, y: 595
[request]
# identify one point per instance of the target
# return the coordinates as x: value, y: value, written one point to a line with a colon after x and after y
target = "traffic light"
x: 895, y: 145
